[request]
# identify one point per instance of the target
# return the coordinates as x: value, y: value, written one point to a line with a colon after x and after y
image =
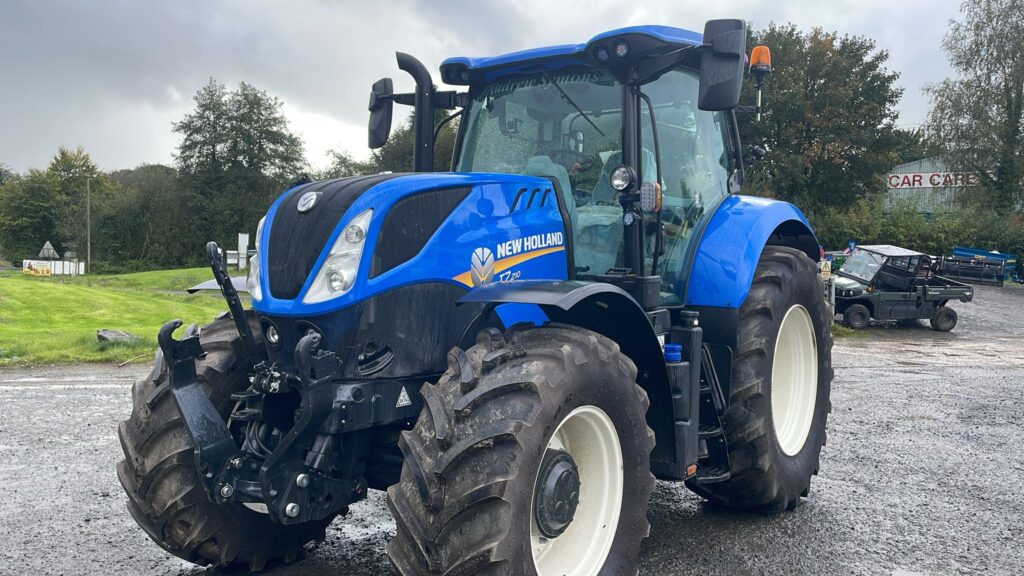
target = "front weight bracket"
x: 214, y: 445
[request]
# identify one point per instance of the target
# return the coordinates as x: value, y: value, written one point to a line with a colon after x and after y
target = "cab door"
x: 696, y: 164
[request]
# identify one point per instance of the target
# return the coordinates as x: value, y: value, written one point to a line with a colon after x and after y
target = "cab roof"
x: 457, y: 70
x: 889, y: 250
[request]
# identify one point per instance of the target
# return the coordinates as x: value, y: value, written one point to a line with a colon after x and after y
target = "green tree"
x: 829, y: 126
x: 397, y: 153
x: 978, y: 116
x: 258, y: 139
x: 204, y: 133
x: 6, y: 174
x: 343, y: 165
x: 28, y: 215
x: 78, y: 182
x: 236, y: 154
x: 141, y: 230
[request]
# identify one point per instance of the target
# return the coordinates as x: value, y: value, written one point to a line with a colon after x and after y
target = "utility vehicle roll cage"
x: 900, y: 269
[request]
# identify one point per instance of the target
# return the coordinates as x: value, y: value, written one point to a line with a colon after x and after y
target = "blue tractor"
x: 514, y: 350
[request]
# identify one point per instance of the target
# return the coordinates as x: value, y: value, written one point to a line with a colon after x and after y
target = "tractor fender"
x: 613, y: 313
x: 730, y: 247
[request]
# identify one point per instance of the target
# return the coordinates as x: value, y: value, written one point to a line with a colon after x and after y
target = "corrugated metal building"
x: 928, y: 185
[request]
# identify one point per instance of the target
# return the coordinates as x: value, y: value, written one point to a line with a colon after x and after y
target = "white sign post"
x: 243, y: 250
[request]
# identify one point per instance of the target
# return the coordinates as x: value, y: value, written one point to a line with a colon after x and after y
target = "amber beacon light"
x: 760, y: 67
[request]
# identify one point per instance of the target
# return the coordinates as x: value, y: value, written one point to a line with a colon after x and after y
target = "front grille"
x: 410, y: 223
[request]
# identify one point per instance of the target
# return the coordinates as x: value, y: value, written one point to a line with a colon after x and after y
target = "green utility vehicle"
x: 892, y: 283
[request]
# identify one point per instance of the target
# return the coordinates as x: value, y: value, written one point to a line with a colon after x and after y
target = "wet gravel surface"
x: 923, y: 472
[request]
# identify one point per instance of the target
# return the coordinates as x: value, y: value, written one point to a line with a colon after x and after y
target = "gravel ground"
x: 922, y: 473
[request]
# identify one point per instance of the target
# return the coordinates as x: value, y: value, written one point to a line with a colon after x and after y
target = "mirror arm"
x: 450, y: 100
x: 406, y: 99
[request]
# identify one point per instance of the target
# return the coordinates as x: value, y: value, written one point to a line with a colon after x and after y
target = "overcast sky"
x: 113, y: 75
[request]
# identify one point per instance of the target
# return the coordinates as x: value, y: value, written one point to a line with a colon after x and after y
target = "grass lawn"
x: 54, y: 319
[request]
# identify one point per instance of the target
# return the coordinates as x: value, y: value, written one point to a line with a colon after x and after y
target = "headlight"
x: 252, y: 281
x: 337, y: 275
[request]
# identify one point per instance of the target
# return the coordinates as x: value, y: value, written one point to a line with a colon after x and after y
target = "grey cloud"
x: 112, y: 75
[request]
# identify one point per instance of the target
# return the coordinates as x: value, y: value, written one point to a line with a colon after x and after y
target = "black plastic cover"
x: 297, y: 238
x: 410, y: 223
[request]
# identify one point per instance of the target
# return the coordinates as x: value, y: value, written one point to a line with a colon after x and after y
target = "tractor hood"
x: 328, y: 244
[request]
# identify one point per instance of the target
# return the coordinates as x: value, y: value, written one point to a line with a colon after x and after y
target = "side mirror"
x: 721, y: 64
x: 381, y: 107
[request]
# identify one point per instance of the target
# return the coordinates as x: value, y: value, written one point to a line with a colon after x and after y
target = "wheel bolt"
x: 226, y: 491
x: 291, y: 510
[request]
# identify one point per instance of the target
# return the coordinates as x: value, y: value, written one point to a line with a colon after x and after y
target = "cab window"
x: 695, y: 167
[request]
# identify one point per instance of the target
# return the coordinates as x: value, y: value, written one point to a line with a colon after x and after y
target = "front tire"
x: 158, y: 471
x: 779, y: 393
x: 857, y: 316
x: 488, y: 485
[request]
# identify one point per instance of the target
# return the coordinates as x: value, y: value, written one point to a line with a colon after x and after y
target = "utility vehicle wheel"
x: 158, y: 472
x: 531, y: 457
x: 779, y: 392
x: 944, y: 319
x: 857, y: 317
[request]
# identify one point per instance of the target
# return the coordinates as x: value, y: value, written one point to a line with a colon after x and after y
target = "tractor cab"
x: 635, y: 126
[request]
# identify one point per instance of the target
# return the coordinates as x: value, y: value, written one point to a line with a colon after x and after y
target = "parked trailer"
x: 1012, y: 270
x: 975, y: 270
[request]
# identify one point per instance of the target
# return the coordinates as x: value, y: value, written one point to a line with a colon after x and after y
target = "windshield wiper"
x: 570, y: 100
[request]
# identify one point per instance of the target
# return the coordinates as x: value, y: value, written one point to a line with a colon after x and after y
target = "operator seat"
x: 543, y: 166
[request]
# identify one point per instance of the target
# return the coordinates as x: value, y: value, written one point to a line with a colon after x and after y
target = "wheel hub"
x: 557, y: 493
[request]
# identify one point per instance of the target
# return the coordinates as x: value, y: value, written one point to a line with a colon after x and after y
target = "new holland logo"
x: 482, y: 268
x: 307, y: 201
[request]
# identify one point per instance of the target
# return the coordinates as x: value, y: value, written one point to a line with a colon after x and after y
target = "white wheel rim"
x: 589, y: 436
x: 794, y: 380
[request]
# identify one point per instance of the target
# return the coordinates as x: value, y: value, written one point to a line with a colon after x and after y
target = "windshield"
x: 863, y: 265
x: 528, y: 125
x: 565, y: 125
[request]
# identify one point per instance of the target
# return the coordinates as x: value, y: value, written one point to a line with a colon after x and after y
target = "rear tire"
x: 158, y: 473
x: 944, y: 319
x: 857, y: 316
x: 779, y: 393
x: 466, y: 502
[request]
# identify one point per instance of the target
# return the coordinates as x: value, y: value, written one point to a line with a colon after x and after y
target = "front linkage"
x: 281, y: 449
